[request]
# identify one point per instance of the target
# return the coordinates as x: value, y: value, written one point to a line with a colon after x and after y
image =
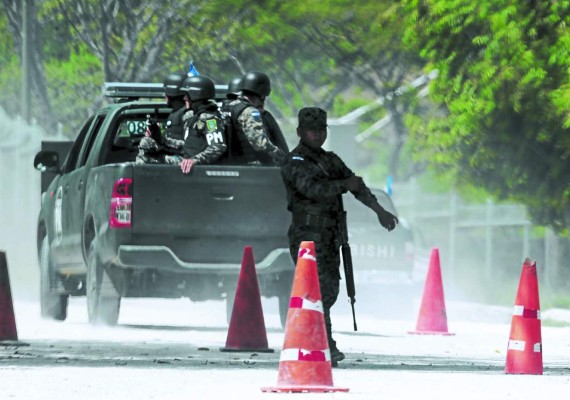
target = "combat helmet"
x: 256, y: 82
x: 198, y: 88
x: 172, y: 84
x: 234, y: 86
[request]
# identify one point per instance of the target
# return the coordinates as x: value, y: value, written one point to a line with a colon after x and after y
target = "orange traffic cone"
x: 7, y: 319
x: 432, y: 319
x: 247, y: 326
x: 524, y: 353
x: 305, y: 362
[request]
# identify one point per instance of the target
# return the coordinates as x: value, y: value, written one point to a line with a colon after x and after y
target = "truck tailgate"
x: 210, y: 214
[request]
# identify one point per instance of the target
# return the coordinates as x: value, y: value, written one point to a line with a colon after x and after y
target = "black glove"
x: 387, y: 220
x: 154, y: 129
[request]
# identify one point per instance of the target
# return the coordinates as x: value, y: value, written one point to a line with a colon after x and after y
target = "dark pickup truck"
x: 109, y: 228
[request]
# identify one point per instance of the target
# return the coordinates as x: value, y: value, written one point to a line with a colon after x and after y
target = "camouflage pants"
x: 328, y: 262
x: 150, y: 153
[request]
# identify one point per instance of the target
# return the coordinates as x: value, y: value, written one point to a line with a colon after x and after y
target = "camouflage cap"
x: 312, y: 117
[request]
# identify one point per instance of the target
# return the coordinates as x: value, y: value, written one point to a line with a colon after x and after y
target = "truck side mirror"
x: 46, y: 160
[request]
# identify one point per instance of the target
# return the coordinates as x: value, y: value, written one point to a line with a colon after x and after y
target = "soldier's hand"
x: 186, y: 165
x: 387, y: 219
x: 354, y: 183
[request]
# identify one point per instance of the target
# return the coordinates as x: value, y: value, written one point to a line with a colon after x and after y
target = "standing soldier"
x: 315, y: 180
x: 155, y: 148
x: 204, y: 140
x: 251, y: 143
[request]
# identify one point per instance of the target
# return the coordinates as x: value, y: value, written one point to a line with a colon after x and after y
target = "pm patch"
x: 212, y: 124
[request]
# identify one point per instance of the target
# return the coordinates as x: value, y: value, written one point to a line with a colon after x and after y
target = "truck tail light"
x: 121, y: 204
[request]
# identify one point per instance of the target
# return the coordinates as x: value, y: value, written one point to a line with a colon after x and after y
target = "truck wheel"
x: 230, y: 299
x: 284, y: 296
x: 52, y: 305
x: 102, y: 307
x: 283, y: 309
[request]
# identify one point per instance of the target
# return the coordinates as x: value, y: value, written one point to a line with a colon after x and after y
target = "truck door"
x: 70, y: 198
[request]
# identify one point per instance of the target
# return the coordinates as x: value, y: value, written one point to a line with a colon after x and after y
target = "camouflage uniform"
x: 252, y: 143
x: 151, y: 152
x: 204, y: 136
x: 314, y: 182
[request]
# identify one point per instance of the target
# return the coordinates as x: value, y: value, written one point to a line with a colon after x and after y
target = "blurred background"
x: 459, y: 110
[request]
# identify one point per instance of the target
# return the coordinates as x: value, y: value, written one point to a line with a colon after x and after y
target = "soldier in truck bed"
x: 171, y: 141
x: 251, y: 141
x: 204, y: 136
x: 315, y: 180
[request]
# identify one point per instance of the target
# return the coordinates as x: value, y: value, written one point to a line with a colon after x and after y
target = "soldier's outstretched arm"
x: 386, y: 218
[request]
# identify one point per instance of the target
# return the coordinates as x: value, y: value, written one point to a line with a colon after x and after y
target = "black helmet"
x: 198, y: 88
x: 256, y: 82
x: 234, y: 86
x: 172, y: 84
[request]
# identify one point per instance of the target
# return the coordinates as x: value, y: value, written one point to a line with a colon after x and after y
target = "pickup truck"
x: 109, y: 228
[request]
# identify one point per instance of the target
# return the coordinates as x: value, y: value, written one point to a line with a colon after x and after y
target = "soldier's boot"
x: 336, y: 354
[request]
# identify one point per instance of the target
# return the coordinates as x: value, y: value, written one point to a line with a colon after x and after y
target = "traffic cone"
x: 305, y: 362
x: 7, y: 319
x: 247, y: 326
x: 524, y: 352
x: 432, y: 318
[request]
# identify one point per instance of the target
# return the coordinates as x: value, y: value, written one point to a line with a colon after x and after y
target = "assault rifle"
x: 347, y: 261
x: 153, y: 127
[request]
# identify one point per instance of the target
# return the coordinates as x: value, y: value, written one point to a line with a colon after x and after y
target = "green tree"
x: 503, y: 87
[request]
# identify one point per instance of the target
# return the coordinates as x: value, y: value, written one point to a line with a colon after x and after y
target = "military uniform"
x: 251, y: 143
x: 315, y: 181
x: 204, y: 136
x: 172, y: 143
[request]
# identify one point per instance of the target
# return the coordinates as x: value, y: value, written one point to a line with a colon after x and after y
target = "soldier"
x: 231, y: 95
x: 315, y: 180
x: 204, y: 140
x: 153, y: 148
x: 251, y: 143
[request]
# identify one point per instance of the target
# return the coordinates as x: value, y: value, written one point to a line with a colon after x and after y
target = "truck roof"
x: 124, y: 92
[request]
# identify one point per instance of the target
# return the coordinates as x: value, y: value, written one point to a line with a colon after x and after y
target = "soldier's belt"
x: 314, y: 220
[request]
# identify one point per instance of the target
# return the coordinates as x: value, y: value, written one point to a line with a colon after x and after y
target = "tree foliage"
x: 504, y: 84
x: 316, y: 53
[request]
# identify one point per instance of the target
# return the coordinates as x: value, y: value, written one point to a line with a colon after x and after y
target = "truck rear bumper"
x: 163, y: 258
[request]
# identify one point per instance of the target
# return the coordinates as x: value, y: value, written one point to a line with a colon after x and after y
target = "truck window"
x: 96, y: 126
x: 73, y: 155
x: 129, y: 129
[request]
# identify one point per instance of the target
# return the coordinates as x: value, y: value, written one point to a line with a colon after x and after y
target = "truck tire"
x: 284, y: 296
x: 102, y: 307
x: 230, y: 299
x: 52, y: 304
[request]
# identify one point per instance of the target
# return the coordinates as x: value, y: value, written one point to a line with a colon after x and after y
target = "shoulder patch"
x: 297, y: 158
x: 211, y: 124
x: 256, y: 115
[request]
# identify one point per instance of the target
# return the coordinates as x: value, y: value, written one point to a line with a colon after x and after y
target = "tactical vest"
x: 195, y: 141
x: 175, y: 125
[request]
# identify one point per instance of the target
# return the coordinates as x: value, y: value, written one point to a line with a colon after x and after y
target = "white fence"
x: 492, y: 237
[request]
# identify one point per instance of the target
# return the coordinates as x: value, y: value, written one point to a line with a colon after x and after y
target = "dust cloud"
x: 19, y: 203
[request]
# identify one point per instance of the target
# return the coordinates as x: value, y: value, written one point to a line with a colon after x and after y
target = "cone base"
x: 431, y: 333
x: 246, y: 350
x: 523, y: 372
x: 302, y: 389
x: 10, y: 342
